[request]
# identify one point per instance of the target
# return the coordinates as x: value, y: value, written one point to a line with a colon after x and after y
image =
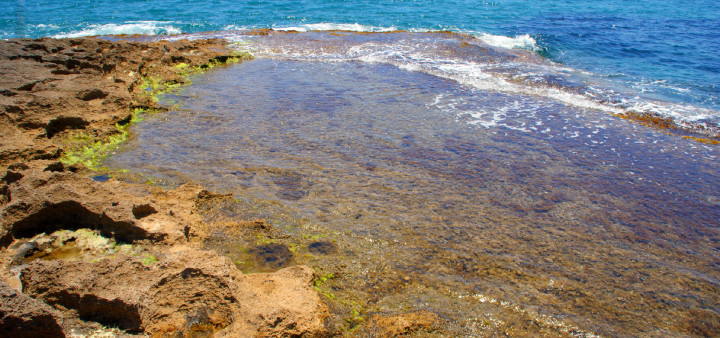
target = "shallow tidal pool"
x: 499, y: 212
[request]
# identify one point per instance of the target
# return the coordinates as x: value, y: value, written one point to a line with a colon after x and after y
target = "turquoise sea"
x: 459, y: 157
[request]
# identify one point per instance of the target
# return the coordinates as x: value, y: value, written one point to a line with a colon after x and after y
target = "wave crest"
x: 524, y: 41
x: 353, y: 27
x: 128, y: 28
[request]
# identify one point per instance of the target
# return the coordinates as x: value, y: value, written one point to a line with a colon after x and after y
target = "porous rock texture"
x: 22, y: 316
x: 50, y: 88
x: 42, y: 201
x: 188, y: 291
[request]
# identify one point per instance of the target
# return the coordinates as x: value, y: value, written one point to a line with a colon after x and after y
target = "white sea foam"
x: 474, y: 74
x: 480, y: 76
x: 519, y: 114
x: 130, y: 28
x: 353, y: 27
x: 235, y: 28
x: 44, y: 26
x: 517, y: 72
x: 524, y: 41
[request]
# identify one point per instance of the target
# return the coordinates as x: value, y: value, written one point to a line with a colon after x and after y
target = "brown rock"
x: 46, y: 201
x: 91, y: 94
x: 50, y: 89
x: 286, y: 304
x: 406, y: 323
x: 186, y: 291
x: 50, y: 86
x: 22, y: 316
x: 34, y: 201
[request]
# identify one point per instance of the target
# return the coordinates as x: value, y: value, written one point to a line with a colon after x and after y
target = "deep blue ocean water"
x: 666, y: 50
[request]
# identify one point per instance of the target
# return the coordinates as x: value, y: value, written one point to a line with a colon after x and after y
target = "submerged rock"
x: 272, y: 256
x: 406, y: 323
x: 322, y: 247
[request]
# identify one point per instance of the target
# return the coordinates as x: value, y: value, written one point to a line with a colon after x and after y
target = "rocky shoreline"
x: 82, y: 255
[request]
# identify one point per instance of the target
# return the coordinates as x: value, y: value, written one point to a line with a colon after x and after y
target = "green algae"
x: 263, y: 240
x: 84, y: 244
x: 149, y: 260
x: 187, y: 70
x: 91, y: 152
x: 319, y: 281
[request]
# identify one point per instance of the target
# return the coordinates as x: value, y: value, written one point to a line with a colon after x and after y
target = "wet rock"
x: 292, y: 186
x: 82, y: 244
x: 322, y: 248
x: 406, y: 323
x: 23, y: 251
x: 702, y: 322
x: 101, y: 178
x: 543, y: 207
x: 272, y: 256
x: 175, y: 59
x: 22, y: 316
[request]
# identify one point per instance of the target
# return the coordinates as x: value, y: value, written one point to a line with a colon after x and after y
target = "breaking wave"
x: 129, y: 28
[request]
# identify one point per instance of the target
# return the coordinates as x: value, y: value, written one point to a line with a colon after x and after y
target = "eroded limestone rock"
x: 22, y: 316
x: 186, y: 291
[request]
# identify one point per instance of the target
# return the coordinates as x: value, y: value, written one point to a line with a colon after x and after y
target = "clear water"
x: 490, y: 208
